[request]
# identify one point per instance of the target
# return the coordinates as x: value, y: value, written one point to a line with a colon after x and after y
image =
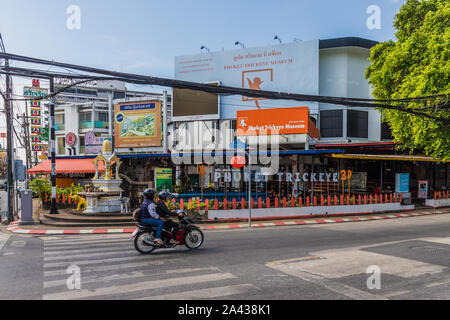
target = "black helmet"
x: 149, y: 193
x: 164, y: 194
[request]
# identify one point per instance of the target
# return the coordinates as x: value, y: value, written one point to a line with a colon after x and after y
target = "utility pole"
x: 26, y: 125
x: 10, y: 147
x: 53, y: 209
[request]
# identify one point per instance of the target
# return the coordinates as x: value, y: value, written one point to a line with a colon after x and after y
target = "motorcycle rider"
x: 150, y: 216
x: 165, y: 213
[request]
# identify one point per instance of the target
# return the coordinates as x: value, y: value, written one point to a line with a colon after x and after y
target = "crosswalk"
x: 110, y: 268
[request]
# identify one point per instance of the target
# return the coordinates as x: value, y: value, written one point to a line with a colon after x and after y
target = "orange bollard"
x: 259, y: 203
x: 315, y: 201
x: 370, y: 199
x: 390, y: 198
x: 225, y: 204
x: 395, y: 197
x: 307, y: 201
x: 216, y: 204
x: 198, y: 204
x: 376, y: 198
x: 234, y: 203
x: 45, y: 196
x: 242, y: 203
x: 385, y: 198
x: 341, y: 200
x: 276, y: 202
x: 321, y: 201
x: 268, y: 203
x: 57, y: 198
x: 206, y: 204
x: 300, y: 201
x: 365, y: 199
x: 182, y: 204
x: 359, y: 199
x: 435, y: 195
x: 329, y: 200
x: 64, y: 198
x: 284, y: 202
x: 348, y: 199
x: 252, y: 204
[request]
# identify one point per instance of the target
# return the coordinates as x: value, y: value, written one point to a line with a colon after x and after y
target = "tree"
x: 415, y: 65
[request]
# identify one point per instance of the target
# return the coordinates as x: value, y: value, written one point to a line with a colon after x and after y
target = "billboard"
x: 137, y: 124
x: 293, y: 120
x: 290, y: 67
x: 195, y: 105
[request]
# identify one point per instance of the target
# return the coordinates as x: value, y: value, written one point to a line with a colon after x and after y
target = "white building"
x: 83, y: 109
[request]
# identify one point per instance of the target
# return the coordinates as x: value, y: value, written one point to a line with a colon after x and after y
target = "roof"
x: 347, y: 42
x: 398, y: 157
x: 66, y: 166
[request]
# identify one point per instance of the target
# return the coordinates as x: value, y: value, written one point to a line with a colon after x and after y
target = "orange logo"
x: 253, y: 80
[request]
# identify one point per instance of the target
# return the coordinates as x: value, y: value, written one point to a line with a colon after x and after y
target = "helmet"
x: 164, y: 194
x: 149, y: 193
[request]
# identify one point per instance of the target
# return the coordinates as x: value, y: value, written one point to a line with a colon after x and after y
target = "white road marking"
x: 435, y: 284
x: 123, y: 276
x: 48, y: 253
x: 209, y: 293
x: 396, y: 293
x: 3, y: 239
x: 88, y: 255
x: 135, y: 287
x: 293, y: 270
x: 92, y: 261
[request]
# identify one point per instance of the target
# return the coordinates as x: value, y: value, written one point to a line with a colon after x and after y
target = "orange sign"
x: 273, y: 121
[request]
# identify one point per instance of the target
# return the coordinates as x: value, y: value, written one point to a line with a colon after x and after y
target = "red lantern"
x: 238, y: 162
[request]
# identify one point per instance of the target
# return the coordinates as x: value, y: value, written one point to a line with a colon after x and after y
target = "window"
x: 386, y: 133
x: 61, y: 146
x: 82, y: 146
x: 102, y: 116
x: 357, y: 124
x: 85, y: 116
x: 331, y: 123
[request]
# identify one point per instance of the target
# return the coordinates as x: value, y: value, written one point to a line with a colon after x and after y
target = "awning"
x: 66, y: 166
x: 398, y: 157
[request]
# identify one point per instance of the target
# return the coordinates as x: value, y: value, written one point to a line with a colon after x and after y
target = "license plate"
x: 134, y: 233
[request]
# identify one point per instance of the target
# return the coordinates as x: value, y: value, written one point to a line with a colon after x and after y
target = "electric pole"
x: 10, y: 147
x: 53, y: 210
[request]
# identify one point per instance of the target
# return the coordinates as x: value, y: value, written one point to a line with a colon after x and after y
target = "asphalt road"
x: 301, y: 262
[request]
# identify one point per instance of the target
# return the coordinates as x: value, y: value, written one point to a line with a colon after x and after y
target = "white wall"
x: 342, y: 74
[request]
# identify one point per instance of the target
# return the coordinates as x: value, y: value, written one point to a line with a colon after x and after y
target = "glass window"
x: 102, y: 116
x: 357, y: 124
x: 61, y: 146
x: 331, y: 123
x: 86, y: 116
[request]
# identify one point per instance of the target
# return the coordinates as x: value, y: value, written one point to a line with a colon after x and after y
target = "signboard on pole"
x: 163, y: 179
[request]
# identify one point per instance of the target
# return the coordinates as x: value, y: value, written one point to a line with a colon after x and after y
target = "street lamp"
x: 277, y: 38
x: 239, y: 43
x: 203, y: 47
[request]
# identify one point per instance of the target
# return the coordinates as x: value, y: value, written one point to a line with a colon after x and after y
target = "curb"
x: 14, y: 226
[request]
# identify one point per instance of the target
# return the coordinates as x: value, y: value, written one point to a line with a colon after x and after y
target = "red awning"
x: 65, y: 166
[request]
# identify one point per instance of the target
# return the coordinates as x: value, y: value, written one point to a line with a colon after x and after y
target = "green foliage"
x: 417, y: 64
x: 42, y: 186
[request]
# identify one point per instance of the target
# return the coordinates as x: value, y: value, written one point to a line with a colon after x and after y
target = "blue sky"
x: 144, y: 36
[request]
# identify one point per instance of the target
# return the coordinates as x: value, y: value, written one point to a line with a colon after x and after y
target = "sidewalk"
x: 39, y: 230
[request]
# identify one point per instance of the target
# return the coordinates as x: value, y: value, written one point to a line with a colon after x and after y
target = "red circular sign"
x: 238, y: 162
x: 71, y: 139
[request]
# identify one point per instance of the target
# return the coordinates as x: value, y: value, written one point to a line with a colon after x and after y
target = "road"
x: 300, y: 262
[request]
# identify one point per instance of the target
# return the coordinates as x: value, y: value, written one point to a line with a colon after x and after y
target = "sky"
x: 144, y: 36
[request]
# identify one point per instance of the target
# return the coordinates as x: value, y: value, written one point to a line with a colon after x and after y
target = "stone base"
x: 108, y: 185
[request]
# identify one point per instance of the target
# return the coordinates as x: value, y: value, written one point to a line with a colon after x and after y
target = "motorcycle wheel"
x: 193, y: 239
x: 140, y: 245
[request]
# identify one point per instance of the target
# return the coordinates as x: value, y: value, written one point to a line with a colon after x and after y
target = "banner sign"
x: 93, y: 144
x: 137, y: 124
x: 265, y: 121
x: 402, y: 182
x: 35, y: 113
x: 423, y: 189
x: 163, y: 179
x: 287, y: 67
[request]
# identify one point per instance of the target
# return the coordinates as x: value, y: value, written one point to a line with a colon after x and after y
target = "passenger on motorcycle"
x: 150, y: 216
x: 165, y: 213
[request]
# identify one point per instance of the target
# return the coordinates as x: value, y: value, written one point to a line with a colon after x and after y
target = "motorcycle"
x: 188, y: 234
